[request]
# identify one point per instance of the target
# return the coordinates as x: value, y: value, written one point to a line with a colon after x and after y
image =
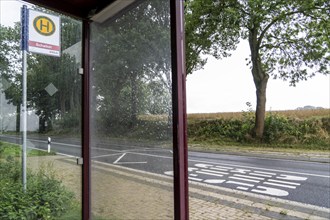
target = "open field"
x: 298, y: 114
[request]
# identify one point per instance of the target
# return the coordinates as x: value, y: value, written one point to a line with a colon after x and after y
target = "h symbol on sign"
x: 44, y: 25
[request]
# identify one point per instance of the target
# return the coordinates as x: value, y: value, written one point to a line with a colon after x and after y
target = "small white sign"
x: 44, y: 34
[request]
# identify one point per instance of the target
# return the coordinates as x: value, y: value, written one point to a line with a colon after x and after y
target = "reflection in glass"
x: 132, y: 114
x: 53, y: 124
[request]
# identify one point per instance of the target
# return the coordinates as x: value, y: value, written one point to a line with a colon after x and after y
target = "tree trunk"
x: 18, y: 117
x: 261, y: 108
x: 260, y: 78
x: 134, y: 101
x: 62, y: 103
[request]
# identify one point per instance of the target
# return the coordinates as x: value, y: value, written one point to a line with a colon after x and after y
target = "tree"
x: 10, y: 67
x: 132, y: 66
x: 42, y: 71
x: 289, y: 39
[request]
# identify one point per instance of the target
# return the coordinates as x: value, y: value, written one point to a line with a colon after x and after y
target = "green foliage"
x: 42, y: 71
x: 279, y: 130
x: 131, y: 71
x: 45, y: 197
x: 288, y: 39
x: 14, y: 150
x: 69, y: 123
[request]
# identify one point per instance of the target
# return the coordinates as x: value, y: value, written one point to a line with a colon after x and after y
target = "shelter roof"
x: 82, y: 9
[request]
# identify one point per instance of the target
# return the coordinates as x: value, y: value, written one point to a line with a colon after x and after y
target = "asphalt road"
x: 305, y: 182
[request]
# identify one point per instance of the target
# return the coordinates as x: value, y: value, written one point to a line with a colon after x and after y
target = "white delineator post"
x: 49, y: 141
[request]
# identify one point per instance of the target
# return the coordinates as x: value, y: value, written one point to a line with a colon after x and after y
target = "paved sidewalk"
x: 123, y: 193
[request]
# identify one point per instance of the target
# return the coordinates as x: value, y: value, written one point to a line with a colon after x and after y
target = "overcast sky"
x: 226, y: 85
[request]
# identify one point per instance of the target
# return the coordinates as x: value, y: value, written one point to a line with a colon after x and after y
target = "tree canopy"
x: 288, y: 39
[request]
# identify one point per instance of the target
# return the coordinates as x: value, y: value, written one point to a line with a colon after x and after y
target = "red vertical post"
x: 180, y: 149
x: 86, y: 202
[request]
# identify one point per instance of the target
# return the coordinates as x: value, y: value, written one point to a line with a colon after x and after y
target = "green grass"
x: 15, y: 150
x: 73, y: 214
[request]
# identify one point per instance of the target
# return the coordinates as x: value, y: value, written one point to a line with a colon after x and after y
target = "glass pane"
x: 131, y: 110
x: 53, y: 178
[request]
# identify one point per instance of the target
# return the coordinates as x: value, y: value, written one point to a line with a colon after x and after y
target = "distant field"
x: 299, y: 114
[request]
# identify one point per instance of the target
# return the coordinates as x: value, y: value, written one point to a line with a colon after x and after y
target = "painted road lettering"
x: 254, y: 180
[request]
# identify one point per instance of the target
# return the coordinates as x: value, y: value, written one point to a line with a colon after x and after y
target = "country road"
x: 300, y: 181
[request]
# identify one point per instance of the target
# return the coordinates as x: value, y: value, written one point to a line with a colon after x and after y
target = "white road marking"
x: 242, y: 188
x: 256, y: 174
x: 202, y: 165
x: 267, y: 173
x: 200, y: 161
x: 196, y: 179
x: 284, y: 182
x: 229, y: 168
x: 280, y: 185
x: 169, y: 173
x: 239, y: 183
x: 221, y: 169
x: 212, y: 174
x: 212, y: 171
x: 190, y: 169
x: 106, y: 155
x: 193, y: 175
x: 289, y: 177
x: 214, y: 181
x: 270, y: 191
x: 239, y: 170
x: 249, y: 177
x: 248, y: 180
x: 119, y: 158
x: 130, y: 162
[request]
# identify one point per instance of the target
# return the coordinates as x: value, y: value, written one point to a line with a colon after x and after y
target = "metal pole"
x: 24, y: 34
x: 1, y: 107
x: 24, y: 119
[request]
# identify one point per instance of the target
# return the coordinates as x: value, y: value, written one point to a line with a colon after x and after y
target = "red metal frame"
x: 86, y: 199
x: 180, y: 149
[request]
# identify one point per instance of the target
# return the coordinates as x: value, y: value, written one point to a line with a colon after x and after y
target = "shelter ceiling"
x: 82, y: 9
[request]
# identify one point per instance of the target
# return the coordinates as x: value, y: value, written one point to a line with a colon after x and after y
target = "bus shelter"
x: 112, y: 106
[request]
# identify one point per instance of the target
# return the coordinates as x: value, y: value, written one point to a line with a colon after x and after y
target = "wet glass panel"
x: 131, y: 114
x: 53, y: 178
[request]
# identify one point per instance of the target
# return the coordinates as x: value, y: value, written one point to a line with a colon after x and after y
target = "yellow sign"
x: 44, y: 25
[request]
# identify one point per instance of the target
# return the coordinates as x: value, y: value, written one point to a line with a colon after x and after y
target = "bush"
x: 278, y: 130
x: 45, y: 197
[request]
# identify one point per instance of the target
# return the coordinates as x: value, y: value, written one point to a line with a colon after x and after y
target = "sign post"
x: 40, y: 34
x: 24, y: 18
